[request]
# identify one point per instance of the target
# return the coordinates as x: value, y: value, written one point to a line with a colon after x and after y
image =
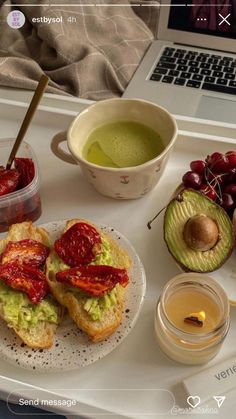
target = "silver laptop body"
x: 220, y: 42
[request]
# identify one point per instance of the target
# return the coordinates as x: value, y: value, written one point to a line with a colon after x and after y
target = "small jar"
x: 23, y: 204
x: 180, y: 340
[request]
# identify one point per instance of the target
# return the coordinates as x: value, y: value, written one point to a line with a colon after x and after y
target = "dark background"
x: 179, y: 18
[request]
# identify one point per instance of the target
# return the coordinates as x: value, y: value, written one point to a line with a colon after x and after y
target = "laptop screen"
x: 216, y: 18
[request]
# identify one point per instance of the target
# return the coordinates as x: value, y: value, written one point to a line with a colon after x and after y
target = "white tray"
x: 137, y: 363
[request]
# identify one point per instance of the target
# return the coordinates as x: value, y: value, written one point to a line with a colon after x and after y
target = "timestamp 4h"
x: 71, y: 19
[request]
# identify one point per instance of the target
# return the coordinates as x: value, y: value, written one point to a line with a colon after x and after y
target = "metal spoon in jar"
x: 43, y: 82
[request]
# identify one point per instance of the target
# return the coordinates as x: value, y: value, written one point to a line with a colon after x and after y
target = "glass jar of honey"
x: 192, y: 318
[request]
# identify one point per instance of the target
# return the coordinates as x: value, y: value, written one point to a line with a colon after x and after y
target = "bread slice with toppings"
x: 35, y: 324
x: 23, y: 231
x: 99, y: 317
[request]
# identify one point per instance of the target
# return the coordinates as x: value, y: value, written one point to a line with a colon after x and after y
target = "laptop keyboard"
x: 197, y: 70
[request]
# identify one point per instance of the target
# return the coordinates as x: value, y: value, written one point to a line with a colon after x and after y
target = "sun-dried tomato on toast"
x: 79, y: 245
x: 25, y: 278
x: 27, y: 252
x: 95, y: 280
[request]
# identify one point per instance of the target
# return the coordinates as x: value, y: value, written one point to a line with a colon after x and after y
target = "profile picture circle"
x: 16, y: 19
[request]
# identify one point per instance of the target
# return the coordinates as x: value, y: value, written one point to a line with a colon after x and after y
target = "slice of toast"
x: 41, y: 335
x: 23, y: 231
x: 97, y: 330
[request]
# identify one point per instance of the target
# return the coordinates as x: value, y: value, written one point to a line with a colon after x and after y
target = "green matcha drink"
x: 122, y: 144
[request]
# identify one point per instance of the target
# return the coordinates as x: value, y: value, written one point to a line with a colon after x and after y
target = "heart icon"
x: 193, y: 401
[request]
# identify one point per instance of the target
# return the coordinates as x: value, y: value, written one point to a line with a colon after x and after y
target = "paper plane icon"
x: 219, y: 400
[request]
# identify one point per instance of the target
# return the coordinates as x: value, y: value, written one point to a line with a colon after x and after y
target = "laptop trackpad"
x: 216, y: 109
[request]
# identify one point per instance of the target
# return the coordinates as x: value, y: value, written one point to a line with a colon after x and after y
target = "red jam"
x: 23, y: 207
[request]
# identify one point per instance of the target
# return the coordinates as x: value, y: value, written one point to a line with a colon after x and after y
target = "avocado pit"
x: 198, y: 232
x: 201, y: 233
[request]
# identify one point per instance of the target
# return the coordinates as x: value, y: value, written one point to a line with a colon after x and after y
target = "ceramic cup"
x: 120, y: 183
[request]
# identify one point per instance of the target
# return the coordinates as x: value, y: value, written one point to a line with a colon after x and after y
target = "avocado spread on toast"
x: 19, y: 312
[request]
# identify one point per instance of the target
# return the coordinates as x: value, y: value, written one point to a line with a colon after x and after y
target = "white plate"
x: 72, y: 349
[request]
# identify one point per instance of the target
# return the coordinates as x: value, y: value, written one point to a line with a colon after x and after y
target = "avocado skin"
x: 181, y: 192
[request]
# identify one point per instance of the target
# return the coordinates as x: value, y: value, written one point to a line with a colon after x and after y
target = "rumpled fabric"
x: 92, y: 53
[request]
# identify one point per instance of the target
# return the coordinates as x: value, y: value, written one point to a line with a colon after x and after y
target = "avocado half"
x: 198, y: 232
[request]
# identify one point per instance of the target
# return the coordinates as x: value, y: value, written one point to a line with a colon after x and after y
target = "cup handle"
x: 57, y: 150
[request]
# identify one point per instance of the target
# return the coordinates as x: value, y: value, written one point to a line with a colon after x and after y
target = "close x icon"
x: 224, y: 19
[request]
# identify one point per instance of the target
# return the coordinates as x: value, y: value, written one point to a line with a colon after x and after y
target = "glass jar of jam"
x: 23, y: 204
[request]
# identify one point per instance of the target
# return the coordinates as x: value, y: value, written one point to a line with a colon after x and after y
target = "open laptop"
x: 191, y: 68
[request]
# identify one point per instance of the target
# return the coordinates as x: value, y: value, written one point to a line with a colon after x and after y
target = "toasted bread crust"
x: 23, y: 231
x: 96, y: 330
x: 40, y: 336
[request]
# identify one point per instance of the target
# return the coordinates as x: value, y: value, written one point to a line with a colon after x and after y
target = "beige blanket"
x: 92, y: 54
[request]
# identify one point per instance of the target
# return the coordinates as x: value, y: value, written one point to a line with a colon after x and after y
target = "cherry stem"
x: 215, y: 179
x: 153, y: 219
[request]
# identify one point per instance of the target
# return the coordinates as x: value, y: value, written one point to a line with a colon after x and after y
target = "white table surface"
x: 138, y: 362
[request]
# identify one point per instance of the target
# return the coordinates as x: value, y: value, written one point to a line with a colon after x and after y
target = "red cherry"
x: 198, y: 166
x: 230, y: 177
x: 213, y: 158
x: 230, y: 189
x: 232, y: 173
x: 231, y: 155
x: 209, y: 191
x: 218, y: 162
x: 192, y: 180
x: 227, y: 202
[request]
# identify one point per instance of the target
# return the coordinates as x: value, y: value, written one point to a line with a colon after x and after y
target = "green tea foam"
x: 122, y: 144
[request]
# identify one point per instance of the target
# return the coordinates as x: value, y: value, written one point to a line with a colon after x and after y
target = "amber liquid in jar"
x: 184, y: 295
x: 188, y: 301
